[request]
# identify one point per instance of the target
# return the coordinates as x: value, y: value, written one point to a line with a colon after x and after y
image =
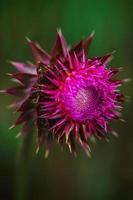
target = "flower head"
x: 72, y: 96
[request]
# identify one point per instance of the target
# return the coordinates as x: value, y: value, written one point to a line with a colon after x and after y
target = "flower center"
x: 80, y: 102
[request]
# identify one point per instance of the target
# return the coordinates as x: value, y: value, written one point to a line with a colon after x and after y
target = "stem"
x: 22, y: 168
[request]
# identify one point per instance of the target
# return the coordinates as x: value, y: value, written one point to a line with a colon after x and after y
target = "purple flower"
x: 72, y: 96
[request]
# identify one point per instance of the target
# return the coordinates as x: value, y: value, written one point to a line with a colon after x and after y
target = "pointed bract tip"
x: 92, y: 34
x: 14, y: 63
x: 107, y: 139
x: 59, y: 31
x: 88, y: 153
x: 93, y: 139
x: 11, y: 127
x: 110, y: 54
x: 37, y: 150
x: 10, y: 106
x: 127, y: 80
x: 28, y: 40
x: 46, y: 153
x: 122, y: 120
x: 75, y: 154
x: 115, y: 133
x: 113, y: 52
x: 18, y: 135
x: 128, y: 97
x: 9, y: 74
x: 2, y: 91
x: 9, y: 61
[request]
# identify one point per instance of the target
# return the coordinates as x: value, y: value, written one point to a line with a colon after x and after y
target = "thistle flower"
x: 72, y: 96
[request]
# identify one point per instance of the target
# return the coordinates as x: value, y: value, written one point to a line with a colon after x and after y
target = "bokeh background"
x: 109, y: 173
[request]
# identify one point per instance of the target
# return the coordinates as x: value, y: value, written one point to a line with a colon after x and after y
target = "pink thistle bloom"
x: 72, y: 96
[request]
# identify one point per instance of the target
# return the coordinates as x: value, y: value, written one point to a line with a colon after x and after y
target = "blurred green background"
x: 109, y: 173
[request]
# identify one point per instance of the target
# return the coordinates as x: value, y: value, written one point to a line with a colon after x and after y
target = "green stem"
x: 22, y: 169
